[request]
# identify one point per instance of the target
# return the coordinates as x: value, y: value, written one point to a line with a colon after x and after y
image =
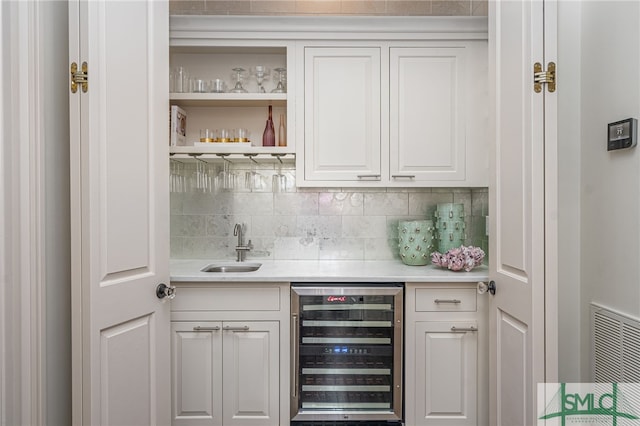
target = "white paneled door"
x: 520, y: 208
x: 120, y: 208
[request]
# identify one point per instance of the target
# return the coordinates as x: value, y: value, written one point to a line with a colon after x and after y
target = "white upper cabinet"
x: 393, y: 109
x: 342, y: 114
x: 427, y: 95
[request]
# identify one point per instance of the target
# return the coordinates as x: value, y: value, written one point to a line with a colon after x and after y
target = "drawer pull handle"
x: 463, y: 329
x: 403, y: 176
x: 229, y: 328
x: 198, y: 328
x: 372, y: 177
x: 454, y: 301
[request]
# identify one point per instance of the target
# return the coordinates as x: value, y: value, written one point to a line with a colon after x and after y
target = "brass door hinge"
x: 548, y: 77
x: 79, y: 77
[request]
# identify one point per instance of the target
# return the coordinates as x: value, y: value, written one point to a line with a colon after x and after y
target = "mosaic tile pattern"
x: 312, y: 223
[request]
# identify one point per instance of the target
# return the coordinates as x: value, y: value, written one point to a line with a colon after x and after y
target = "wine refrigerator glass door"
x: 347, y: 352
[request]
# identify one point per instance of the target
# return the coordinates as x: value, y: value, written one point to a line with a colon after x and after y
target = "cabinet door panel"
x: 427, y: 123
x: 342, y: 113
x: 251, y: 373
x: 196, y: 373
x: 446, y: 374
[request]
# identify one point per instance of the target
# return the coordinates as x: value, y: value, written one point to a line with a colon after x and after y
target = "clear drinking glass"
x: 202, y: 177
x: 261, y: 73
x: 200, y: 85
x: 206, y: 135
x: 218, y: 86
x: 227, y: 178
x: 241, y: 135
x: 281, y: 87
x: 238, y: 75
x: 177, y: 177
x: 180, y: 79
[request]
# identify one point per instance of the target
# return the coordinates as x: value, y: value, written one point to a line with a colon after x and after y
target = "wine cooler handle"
x: 294, y: 354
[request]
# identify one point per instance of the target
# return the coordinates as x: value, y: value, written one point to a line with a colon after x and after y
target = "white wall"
x: 34, y: 215
x: 610, y: 181
x: 569, y: 191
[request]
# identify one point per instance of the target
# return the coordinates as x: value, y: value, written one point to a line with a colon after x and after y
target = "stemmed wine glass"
x: 282, y: 78
x: 238, y: 74
x: 261, y: 73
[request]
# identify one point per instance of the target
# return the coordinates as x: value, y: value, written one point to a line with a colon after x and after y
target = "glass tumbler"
x: 206, y: 135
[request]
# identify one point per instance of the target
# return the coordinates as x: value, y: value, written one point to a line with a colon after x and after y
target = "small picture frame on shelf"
x: 178, y: 126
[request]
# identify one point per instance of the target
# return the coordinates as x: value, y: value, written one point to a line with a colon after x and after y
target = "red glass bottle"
x: 269, y: 135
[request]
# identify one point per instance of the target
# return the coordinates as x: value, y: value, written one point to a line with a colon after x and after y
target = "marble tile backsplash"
x: 311, y: 224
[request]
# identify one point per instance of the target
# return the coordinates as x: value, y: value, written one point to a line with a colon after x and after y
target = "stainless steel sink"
x: 232, y: 267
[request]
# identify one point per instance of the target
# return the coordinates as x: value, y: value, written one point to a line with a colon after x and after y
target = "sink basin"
x: 232, y: 267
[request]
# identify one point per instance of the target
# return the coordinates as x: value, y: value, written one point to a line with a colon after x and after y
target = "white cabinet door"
x: 196, y: 372
x: 251, y: 375
x: 427, y: 106
x: 120, y: 213
x: 225, y: 373
x: 342, y: 114
x: 446, y: 373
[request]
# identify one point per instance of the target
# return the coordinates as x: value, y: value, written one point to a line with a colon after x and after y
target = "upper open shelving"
x: 228, y: 99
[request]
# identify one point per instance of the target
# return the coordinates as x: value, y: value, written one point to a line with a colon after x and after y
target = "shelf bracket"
x: 278, y: 156
x: 250, y: 156
x: 224, y: 157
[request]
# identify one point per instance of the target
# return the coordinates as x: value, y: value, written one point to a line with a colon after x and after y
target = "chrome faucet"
x: 241, y: 249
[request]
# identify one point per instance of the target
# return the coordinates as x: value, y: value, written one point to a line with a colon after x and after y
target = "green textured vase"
x: 415, y: 241
x: 449, y: 211
x: 450, y: 226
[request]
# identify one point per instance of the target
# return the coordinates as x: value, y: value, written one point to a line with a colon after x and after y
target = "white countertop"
x: 323, y: 271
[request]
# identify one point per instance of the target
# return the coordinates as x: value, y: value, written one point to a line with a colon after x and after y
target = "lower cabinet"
x: 225, y: 373
x: 230, y: 352
x: 446, y: 373
x: 446, y: 343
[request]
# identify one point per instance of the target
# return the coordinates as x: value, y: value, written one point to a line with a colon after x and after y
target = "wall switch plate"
x: 622, y: 134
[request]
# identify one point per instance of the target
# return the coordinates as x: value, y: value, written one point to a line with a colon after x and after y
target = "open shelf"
x: 228, y: 99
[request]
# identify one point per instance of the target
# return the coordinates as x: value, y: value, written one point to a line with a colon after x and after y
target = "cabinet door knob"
x: 164, y: 290
x: 487, y: 287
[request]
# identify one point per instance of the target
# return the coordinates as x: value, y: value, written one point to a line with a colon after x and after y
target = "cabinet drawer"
x: 445, y: 300
x: 226, y: 299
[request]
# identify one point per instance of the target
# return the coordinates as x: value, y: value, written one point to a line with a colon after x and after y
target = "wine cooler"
x: 346, y: 352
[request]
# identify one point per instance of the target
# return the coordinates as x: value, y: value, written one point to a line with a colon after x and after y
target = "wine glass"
x: 282, y: 78
x: 261, y: 73
x: 238, y: 74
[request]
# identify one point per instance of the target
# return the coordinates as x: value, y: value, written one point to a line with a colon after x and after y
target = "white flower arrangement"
x: 459, y: 258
